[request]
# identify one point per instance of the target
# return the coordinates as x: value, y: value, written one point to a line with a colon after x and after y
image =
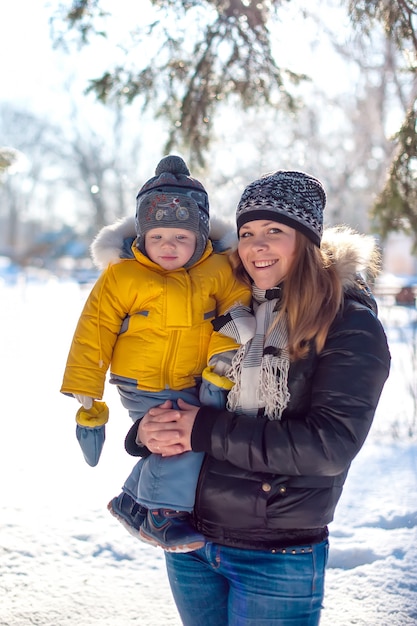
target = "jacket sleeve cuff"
x: 203, y: 426
x: 131, y: 446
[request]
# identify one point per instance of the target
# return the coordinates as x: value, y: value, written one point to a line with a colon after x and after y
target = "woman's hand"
x: 167, y: 431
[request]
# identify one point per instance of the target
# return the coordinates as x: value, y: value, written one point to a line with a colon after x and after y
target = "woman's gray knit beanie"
x: 286, y: 196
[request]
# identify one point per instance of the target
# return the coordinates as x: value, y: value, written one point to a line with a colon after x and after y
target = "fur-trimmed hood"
x: 114, y: 242
x: 353, y: 254
x: 357, y: 261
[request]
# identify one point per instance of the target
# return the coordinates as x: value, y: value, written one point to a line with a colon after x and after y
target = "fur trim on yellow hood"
x: 113, y: 242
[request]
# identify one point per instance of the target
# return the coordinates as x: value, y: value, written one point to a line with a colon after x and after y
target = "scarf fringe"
x: 233, y: 374
x: 272, y: 388
x: 271, y: 391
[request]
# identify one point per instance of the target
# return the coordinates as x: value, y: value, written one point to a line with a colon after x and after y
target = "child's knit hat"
x: 172, y: 199
x: 290, y: 197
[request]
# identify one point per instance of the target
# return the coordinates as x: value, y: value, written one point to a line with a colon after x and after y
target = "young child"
x: 148, y: 318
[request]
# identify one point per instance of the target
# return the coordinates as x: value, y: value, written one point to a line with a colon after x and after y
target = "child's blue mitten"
x: 214, y: 389
x: 91, y: 430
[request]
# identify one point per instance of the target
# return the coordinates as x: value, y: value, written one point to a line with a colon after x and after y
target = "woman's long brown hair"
x: 312, y: 295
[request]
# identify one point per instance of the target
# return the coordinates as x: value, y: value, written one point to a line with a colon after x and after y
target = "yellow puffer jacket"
x: 151, y: 327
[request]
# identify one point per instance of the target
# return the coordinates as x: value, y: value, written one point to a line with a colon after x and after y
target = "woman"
x: 307, y: 385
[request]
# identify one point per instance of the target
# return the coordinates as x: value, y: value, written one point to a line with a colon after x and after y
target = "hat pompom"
x: 172, y: 164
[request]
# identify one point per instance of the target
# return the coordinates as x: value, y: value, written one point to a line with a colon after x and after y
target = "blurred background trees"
x: 238, y: 87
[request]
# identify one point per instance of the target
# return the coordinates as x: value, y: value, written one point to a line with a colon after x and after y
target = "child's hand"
x: 86, y: 401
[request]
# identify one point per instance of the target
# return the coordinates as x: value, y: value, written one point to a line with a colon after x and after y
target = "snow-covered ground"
x: 65, y: 561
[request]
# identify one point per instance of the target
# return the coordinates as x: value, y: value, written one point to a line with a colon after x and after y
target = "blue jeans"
x: 223, y: 586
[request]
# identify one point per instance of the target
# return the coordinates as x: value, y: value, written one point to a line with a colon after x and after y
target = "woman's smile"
x: 265, y: 263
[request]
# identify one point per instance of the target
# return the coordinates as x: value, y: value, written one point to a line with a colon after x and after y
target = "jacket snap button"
x: 266, y: 487
x: 282, y: 489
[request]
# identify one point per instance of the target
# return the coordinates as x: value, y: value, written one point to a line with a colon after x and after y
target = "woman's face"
x: 266, y: 249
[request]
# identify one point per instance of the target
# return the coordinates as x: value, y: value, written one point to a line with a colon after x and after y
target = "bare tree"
x: 35, y: 139
x: 72, y: 175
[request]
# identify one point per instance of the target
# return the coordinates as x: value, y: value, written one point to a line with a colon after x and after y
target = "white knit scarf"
x: 260, y: 367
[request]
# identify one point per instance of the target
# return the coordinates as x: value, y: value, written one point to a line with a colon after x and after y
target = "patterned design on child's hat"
x: 173, y: 199
x: 286, y: 196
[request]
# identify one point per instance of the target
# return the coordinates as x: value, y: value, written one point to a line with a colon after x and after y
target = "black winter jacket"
x: 271, y: 484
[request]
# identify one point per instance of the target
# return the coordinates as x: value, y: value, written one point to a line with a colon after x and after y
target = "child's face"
x: 171, y: 248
